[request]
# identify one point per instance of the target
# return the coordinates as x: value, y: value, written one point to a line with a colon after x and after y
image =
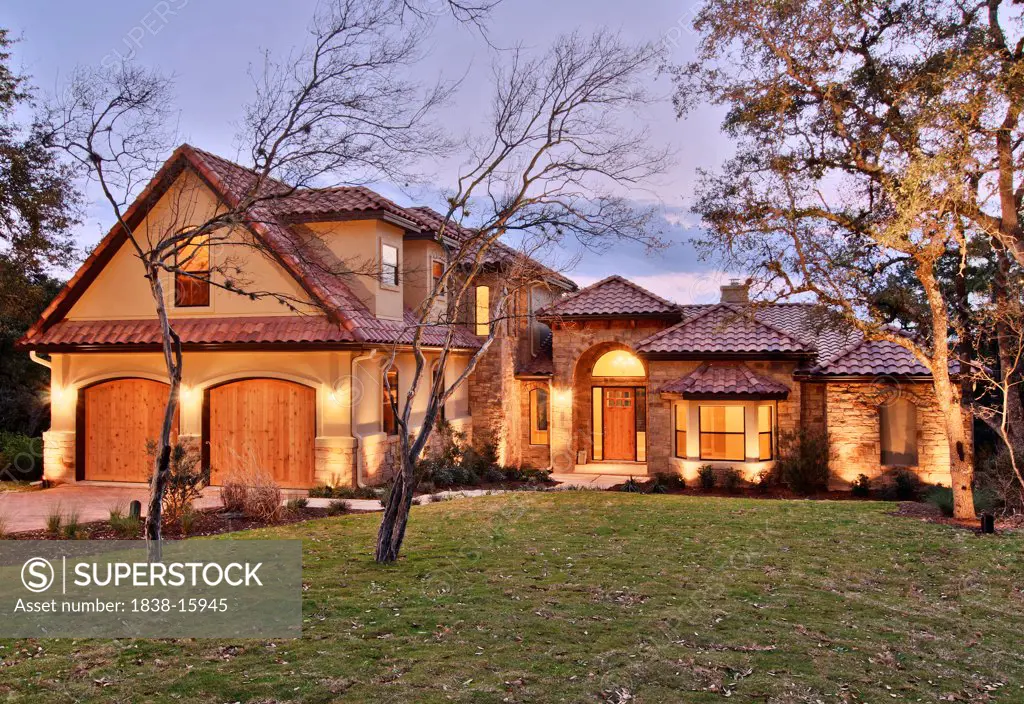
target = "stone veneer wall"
x: 59, y: 456
x: 855, y: 436
x: 494, y: 400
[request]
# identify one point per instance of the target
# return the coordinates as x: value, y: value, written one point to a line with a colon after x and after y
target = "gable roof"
x: 725, y: 381
x: 723, y: 329
x: 612, y: 296
x: 275, y: 220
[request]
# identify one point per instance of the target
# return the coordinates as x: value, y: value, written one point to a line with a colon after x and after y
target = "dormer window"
x: 192, y: 278
x: 389, y: 265
x: 436, y: 274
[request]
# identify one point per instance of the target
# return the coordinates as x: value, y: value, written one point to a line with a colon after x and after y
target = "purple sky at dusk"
x: 209, y: 47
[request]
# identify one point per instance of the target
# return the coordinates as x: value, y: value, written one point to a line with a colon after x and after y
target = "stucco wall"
x: 328, y: 372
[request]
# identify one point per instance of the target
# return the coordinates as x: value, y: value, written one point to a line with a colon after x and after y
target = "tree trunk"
x: 162, y: 464
x: 961, y: 447
x: 1005, y: 343
x: 396, y: 514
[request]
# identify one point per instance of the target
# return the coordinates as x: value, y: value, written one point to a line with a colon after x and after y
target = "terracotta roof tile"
x: 611, y: 296
x: 723, y: 329
x: 314, y: 329
x: 725, y: 380
x: 874, y: 358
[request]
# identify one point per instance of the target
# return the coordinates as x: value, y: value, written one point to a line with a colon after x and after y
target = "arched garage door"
x: 116, y: 419
x: 261, y: 423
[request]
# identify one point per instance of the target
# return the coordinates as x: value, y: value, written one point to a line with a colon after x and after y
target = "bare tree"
x: 343, y: 106
x: 556, y: 163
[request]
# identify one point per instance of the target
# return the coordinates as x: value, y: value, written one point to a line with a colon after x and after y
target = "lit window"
x: 192, y: 280
x: 680, y: 430
x: 483, y: 310
x: 436, y: 274
x: 722, y: 431
x: 619, y: 363
x: 898, y: 422
x: 389, y: 394
x: 764, y: 432
x: 389, y: 265
x: 539, y: 417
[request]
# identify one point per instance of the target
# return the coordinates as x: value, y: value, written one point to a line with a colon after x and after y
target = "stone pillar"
x: 59, y: 456
x: 335, y: 461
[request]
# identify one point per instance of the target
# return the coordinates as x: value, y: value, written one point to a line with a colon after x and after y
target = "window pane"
x: 898, y: 430
x: 765, y: 443
x: 721, y: 446
x: 193, y: 257
x: 619, y: 363
x: 721, y: 419
x: 598, y: 411
x: 483, y: 310
x: 764, y: 419
x: 680, y: 443
x: 680, y: 417
x: 389, y: 394
x: 389, y: 264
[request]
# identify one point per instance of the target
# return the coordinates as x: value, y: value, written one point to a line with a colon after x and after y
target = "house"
x: 607, y: 378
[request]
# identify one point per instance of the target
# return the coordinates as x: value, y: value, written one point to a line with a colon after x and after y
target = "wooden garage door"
x: 118, y: 417
x: 265, y: 423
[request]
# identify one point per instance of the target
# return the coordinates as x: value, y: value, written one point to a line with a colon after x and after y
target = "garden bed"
x: 212, y: 521
x: 744, y: 492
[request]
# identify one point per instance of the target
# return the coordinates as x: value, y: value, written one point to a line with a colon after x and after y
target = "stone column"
x: 59, y: 456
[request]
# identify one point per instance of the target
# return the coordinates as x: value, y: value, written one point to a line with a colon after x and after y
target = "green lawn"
x: 586, y: 596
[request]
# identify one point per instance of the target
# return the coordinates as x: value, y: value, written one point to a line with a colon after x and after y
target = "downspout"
x: 34, y: 356
x: 352, y: 417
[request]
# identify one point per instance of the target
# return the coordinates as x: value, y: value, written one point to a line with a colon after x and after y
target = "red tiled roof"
x: 611, y: 296
x: 722, y: 329
x: 725, y: 380
x: 874, y: 358
x: 282, y: 329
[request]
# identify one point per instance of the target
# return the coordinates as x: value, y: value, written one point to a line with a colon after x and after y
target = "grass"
x: 596, y: 596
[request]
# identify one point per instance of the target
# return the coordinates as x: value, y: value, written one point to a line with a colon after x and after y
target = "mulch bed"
x: 927, y: 512
x: 212, y: 521
x: 774, y: 492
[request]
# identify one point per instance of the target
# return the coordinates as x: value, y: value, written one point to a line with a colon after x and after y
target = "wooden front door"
x: 262, y: 424
x: 619, y: 424
x: 117, y: 419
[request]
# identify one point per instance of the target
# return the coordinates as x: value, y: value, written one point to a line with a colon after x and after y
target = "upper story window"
x: 192, y: 279
x: 436, y: 274
x: 389, y: 396
x: 539, y: 417
x: 388, y: 265
x: 723, y: 433
x: 898, y: 428
x: 483, y: 310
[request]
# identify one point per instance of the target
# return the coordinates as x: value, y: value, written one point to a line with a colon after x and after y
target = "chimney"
x: 736, y: 292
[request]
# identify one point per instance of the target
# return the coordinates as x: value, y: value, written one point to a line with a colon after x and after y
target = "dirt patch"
x: 212, y: 521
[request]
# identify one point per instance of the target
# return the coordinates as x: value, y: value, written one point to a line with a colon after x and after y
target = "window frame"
x: 680, y: 411
x: 538, y: 435
x: 770, y: 432
x: 434, y: 280
x: 701, y: 433
x: 486, y: 325
x: 395, y: 280
x: 386, y: 409
x: 183, y: 281
x: 882, y: 410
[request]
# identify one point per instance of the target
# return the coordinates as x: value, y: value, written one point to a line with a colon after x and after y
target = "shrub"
x: 996, y: 477
x: 297, y: 503
x: 348, y: 492
x: 862, y: 486
x: 54, y: 520
x: 185, y: 482
x: 764, y: 480
x: 72, y: 526
x: 21, y: 457
x: 187, y: 520
x: 494, y: 475
x: 669, y: 480
x: 802, y: 464
x: 337, y: 507
x: 631, y: 486
x: 123, y: 524
x: 657, y: 488
x: 706, y: 475
x: 253, y: 492
x: 899, y: 485
x: 942, y: 497
x: 731, y: 479
x: 321, y: 491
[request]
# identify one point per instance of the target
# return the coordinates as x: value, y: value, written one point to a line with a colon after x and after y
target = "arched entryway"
x: 611, y: 403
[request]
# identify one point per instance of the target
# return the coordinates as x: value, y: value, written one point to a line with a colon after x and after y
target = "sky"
x: 209, y: 48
